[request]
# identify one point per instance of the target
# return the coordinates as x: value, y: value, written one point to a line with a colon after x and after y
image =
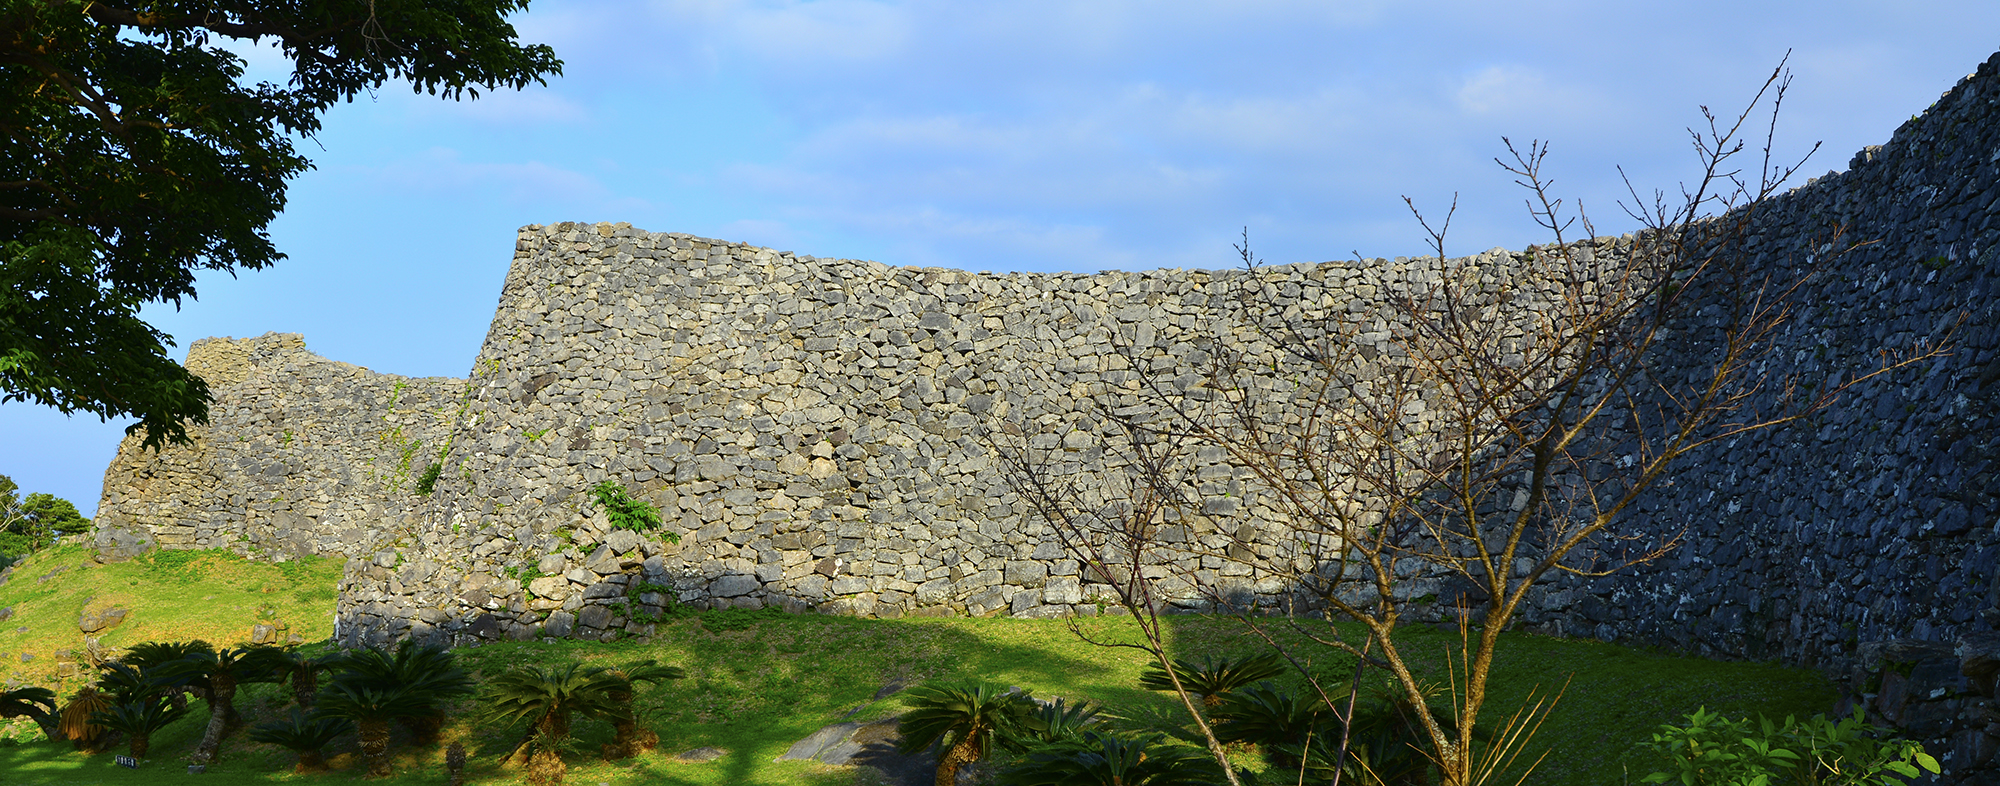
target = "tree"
x: 1106, y: 760
x: 1213, y: 678
x: 549, y: 699
x: 219, y: 672
x: 147, y: 656
x: 37, y: 704
x: 1483, y: 428
x: 303, y: 734
x: 77, y: 720
x: 303, y: 671
x: 433, y: 674
x: 964, y: 719
x: 631, y: 737
x: 373, y: 710
x: 32, y: 523
x: 138, y: 719
x: 133, y: 155
x: 374, y: 689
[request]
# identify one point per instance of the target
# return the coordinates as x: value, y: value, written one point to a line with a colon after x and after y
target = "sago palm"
x: 305, y: 735
x: 303, y: 672
x: 221, y: 671
x: 1104, y: 760
x: 548, y: 699
x: 138, y: 719
x: 1057, y: 722
x: 1280, y: 720
x: 148, y: 656
x: 374, y: 710
x: 632, y: 737
x: 1213, y: 678
x: 432, y: 675
x: 75, y: 720
x: 37, y: 704
x: 965, y: 720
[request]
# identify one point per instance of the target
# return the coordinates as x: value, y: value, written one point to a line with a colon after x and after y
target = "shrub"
x: 1713, y: 750
x: 626, y: 511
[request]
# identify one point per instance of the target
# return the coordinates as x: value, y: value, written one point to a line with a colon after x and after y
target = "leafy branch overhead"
x: 133, y: 153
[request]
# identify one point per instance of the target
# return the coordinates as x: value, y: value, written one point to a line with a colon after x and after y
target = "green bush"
x: 626, y: 511
x: 1715, y: 751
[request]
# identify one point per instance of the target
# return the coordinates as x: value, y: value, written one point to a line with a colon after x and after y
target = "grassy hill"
x: 757, y: 682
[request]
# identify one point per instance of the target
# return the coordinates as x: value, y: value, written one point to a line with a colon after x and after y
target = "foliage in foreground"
x: 134, y: 154
x: 757, y: 682
x: 1712, y: 750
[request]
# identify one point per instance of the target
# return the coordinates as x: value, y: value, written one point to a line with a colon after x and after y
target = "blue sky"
x: 1023, y: 135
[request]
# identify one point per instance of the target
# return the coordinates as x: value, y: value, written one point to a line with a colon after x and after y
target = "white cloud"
x: 445, y: 171
x: 1517, y: 90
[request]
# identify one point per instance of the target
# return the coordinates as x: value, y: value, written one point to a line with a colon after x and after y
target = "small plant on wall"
x: 626, y: 511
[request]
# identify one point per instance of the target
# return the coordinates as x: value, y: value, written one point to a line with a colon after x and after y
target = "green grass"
x: 758, y: 682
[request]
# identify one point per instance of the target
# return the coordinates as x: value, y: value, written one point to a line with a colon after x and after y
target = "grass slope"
x: 757, y: 682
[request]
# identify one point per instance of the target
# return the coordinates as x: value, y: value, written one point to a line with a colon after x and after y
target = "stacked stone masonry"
x: 812, y: 429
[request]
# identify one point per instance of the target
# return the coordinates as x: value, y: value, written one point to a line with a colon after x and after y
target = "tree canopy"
x: 32, y: 522
x: 133, y: 154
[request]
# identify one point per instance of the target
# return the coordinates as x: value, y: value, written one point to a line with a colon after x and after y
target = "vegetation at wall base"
x: 757, y: 681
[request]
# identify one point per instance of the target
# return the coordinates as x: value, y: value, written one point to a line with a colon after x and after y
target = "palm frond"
x: 1210, y: 678
x: 300, y: 732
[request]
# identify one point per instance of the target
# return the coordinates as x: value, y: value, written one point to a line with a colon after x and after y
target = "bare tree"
x: 1477, y: 428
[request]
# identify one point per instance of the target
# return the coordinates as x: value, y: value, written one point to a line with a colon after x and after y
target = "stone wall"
x: 809, y: 427
x: 812, y: 430
x: 1874, y: 527
x: 302, y: 455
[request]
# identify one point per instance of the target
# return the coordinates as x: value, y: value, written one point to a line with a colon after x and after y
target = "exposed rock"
x: 102, y: 620
x: 701, y: 754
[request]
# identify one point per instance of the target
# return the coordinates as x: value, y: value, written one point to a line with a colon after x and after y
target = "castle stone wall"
x: 811, y: 428
x: 302, y: 455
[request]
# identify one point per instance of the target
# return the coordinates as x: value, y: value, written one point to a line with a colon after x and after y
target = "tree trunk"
x: 140, y: 744
x: 959, y: 756
x: 221, y: 701
x: 631, y: 739
x: 424, y: 729
x: 375, y: 746
x: 546, y: 768
x: 51, y: 725
x: 311, y: 761
x: 305, y: 684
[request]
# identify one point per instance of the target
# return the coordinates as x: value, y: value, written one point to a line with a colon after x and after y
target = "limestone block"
x: 1064, y: 590
x: 733, y: 585
x: 550, y: 587
x: 560, y: 625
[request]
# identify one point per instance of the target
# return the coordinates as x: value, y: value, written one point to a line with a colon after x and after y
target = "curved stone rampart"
x: 810, y: 429
x: 303, y: 455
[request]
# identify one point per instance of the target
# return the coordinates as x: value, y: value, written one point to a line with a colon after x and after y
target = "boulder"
x: 551, y: 587
x: 734, y: 585
x: 95, y: 622
x: 621, y: 541
x: 484, y: 626
x: 596, y: 617
x: 1978, y: 659
x: 560, y: 625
